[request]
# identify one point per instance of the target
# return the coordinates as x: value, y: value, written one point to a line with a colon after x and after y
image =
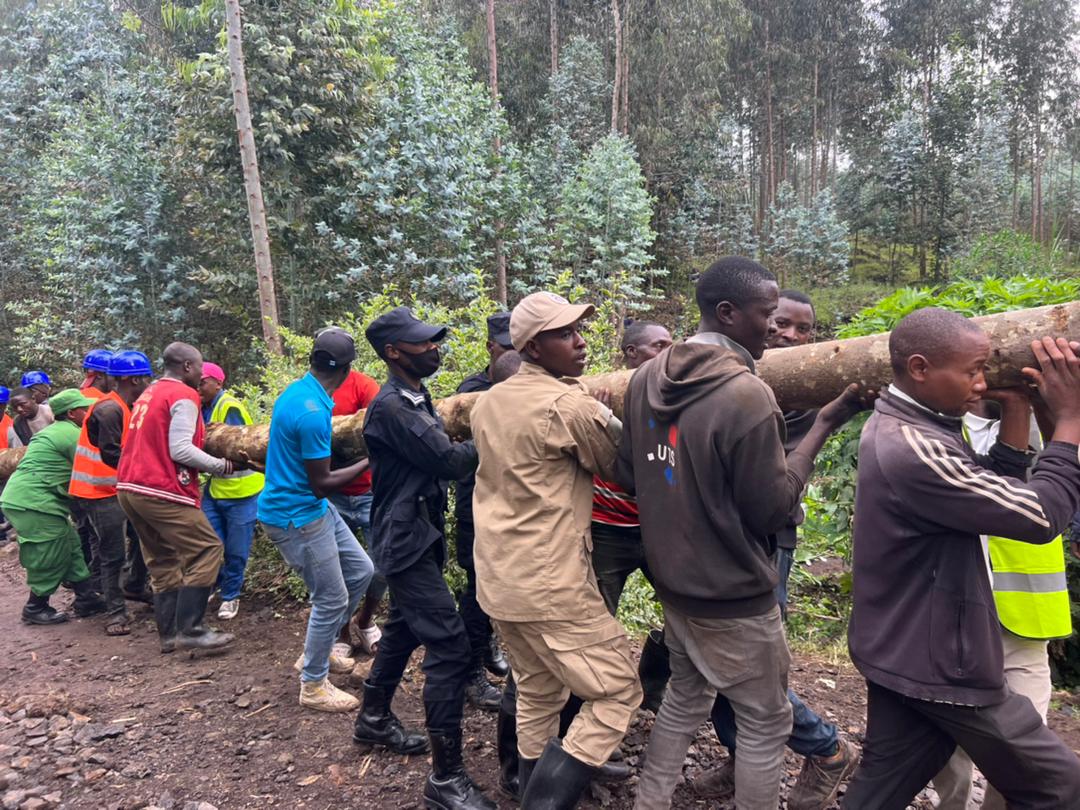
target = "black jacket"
x: 412, y: 458
x: 924, y: 622
x: 796, y: 425
x: 702, y: 447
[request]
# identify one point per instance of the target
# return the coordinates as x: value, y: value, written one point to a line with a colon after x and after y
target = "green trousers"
x: 49, y: 550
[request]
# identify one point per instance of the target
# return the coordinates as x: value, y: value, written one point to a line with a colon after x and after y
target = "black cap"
x: 499, y: 329
x: 334, y: 347
x: 400, y: 324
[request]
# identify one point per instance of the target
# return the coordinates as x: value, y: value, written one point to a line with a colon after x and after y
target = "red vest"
x: 146, y: 468
x: 5, y: 423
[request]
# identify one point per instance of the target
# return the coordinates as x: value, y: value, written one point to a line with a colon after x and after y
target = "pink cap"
x: 213, y: 371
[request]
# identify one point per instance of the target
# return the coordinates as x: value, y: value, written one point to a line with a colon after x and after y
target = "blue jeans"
x: 233, y: 520
x: 336, y: 570
x: 785, y: 559
x: 355, y: 510
x: 810, y: 735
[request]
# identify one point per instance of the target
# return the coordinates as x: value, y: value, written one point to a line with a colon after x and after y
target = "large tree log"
x: 803, y: 377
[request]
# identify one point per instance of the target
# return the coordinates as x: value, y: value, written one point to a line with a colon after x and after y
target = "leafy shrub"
x: 1005, y: 254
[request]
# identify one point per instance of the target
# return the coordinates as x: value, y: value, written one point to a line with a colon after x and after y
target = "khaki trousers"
x: 179, y: 546
x: 1027, y: 672
x: 589, y: 658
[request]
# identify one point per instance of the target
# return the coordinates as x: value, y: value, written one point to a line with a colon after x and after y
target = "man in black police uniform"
x: 486, y: 653
x: 498, y: 344
x: 412, y: 458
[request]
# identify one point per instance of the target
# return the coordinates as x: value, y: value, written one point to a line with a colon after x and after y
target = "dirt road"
x: 88, y: 721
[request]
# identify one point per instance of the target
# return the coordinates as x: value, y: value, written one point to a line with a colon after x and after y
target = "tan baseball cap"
x: 542, y: 311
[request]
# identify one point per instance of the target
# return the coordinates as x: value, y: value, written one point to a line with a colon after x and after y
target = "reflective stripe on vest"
x: 91, y: 477
x: 1030, y: 589
x: 241, y: 484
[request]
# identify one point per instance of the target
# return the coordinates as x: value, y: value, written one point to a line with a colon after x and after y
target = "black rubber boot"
x: 506, y: 747
x: 377, y: 725
x: 88, y: 601
x: 525, y: 771
x: 449, y: 787
x: 480, y: 692
x: 495, y: 660
x: 557, y: 781
x: 39, y: 611
x: 654, y: 670
x: 190, y: 632
x: 165, y: 616
x: 612, y: 771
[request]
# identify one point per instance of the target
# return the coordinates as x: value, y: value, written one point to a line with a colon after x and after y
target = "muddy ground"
x: 88, y: 721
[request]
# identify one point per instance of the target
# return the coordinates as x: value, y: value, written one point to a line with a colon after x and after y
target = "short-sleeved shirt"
x: 540, y: 441
x: 40, y: 482
x: 299, y: 432
x: 355, y: 394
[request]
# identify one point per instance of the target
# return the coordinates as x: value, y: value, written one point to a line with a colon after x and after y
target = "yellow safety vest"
x: 241, y: 484
x: 1030, y: 589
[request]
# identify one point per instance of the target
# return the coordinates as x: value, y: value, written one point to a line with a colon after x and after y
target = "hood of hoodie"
x: 686, y: 372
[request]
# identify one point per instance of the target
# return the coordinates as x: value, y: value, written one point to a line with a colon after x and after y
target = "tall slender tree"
x: 264, y: 268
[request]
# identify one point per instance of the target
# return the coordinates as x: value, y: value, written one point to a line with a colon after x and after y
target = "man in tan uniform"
x: 540, y: 439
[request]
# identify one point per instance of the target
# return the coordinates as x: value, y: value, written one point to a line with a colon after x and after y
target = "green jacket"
x: 40, y: 482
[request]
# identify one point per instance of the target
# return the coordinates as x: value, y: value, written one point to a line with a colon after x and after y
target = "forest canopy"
x: 853, y: 147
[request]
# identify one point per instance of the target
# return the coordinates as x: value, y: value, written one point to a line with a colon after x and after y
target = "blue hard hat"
x: 129, y: 364
x: 97, y: 360
x: 35, y: 378
x: 5, y: 395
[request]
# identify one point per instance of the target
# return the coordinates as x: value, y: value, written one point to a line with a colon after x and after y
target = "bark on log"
x: 802, y: 377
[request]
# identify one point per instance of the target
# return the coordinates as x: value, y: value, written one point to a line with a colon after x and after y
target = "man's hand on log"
x: 1058, y: 381
x: 837, y: 413
x: 244, y: 462
x: 603, y: 396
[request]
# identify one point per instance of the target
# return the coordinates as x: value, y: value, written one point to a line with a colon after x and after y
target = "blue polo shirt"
x: 299, y: 431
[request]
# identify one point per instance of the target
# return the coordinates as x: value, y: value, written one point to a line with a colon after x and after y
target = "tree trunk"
x: 802, y: 377
x: 616, y: 92
x: 814, y: 136
x: 493, y: 82
x: 770, y: 186
x: 624, y: 111
x: 252, y: 184
x: 553, y: 13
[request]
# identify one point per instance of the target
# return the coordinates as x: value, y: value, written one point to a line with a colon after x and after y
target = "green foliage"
x: 603, y: 220
x: 1007, y: 253
x: 639, y: 610
x: 314, y: 74
x: 967, y: 297
x: 807, y: 241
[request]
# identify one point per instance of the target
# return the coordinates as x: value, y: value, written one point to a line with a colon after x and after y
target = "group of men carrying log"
x: 698, y: 483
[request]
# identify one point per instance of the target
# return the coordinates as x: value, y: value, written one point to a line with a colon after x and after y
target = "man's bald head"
x: 933, y: 333
x: 506, y: 365
x: 939, y: 358
x: 183, y: 362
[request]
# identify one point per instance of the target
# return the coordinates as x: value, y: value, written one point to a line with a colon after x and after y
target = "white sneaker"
x: 229, y: 609
x: 325, y: 697
x: 339, y: 664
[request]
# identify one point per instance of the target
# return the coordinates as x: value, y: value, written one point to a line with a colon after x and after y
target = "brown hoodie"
x: 702, y: 447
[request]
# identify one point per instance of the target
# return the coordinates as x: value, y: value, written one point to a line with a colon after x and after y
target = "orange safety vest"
x: 5, y: 423
x: 92, y: 392
x: 90, y: 476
